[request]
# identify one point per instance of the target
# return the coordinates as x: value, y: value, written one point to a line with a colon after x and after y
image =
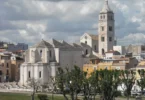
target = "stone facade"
x: 5, y: 68
x: 106, y: 29
x: 91, y: 42
x: 16, y: 62
x: 43, y: 59
x: 111, y: 64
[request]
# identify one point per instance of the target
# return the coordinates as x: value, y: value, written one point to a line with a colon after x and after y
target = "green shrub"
x: 42, y: 97
x: 118, y: 93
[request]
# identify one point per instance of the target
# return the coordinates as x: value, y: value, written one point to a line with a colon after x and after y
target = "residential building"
x: 139, y: 57
x: 111, y: 64
x: 10, y: 67
x: 91, y: 66
x: 140, y: 66
x: 16, y: 62
x: 17, y: 47
x: 111, y: 54
x: 5, y: 68
x: 135, y: 49
x: 121, y: 49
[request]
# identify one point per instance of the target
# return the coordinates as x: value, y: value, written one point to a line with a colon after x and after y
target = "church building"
x: 106, y: 29
x: 43, y: 59
x: 105, y: 40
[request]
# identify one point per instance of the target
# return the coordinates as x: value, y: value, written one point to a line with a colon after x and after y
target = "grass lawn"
x: 21, y: 96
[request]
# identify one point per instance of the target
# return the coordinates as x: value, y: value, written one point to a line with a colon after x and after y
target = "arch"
x: 111, y: 17
x: 95, y: 47
x: 32, y: 53
x: 104, y: 16
x: 7, y: 72
x: 39, y: 74
x: 86, y: 51
x: 50, y: 54
x: 101, y: 17
x: 41, y: 53
x: 7, y: 65
x: 19, y: 65
x: 103, y: 51
x: 29, y: 74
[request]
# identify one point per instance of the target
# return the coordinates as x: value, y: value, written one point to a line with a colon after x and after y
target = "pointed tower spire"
x: 106, y: 29
x: 106, y: 1
x: 106, y: 8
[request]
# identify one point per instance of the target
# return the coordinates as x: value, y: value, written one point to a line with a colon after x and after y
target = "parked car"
x: 135, y: 93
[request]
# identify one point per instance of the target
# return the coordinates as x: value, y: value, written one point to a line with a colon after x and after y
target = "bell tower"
x: 106, y: 29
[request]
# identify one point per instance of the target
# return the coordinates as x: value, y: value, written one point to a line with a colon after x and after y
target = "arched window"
x: 41, y: 53
x: 101, y: 17
x: 111, y: 17
x: 7, y: 65
x: 1, y: 72
x: 86, y: 52
x: 50, y: 55
x: 110, y: 28
x: 110, y: 39
x: 32, y: 53
x: 95, y: 48
x: 19, y: 65
x: 104, y: 16
x: 39, y: 74
x: 85, y: 42
x: 7, y: 72
x: 2, y: 64
x: 103, y: 52
x: 102, y: 28
x: 29, y: 74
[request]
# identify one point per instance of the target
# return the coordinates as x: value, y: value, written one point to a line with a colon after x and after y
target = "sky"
x: 30, y: 21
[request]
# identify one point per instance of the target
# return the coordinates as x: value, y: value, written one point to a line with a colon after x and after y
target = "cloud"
x: 31, y: 20
x: 137, y: 38
x: 59, y: 0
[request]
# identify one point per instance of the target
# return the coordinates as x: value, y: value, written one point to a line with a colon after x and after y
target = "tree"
x: 141, y: 82
x: 94, y: 83
x: 61, y: 82
x: 74, y: 81
x: 128, y: 79
x: 90, y: 85
x: 34, y: 83
x: 86, y: 86
x: 109, y: 81
x: 53, y: 86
